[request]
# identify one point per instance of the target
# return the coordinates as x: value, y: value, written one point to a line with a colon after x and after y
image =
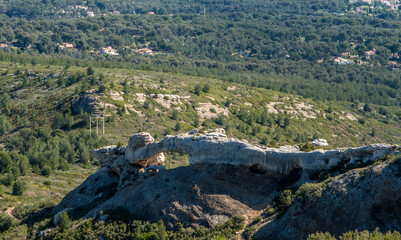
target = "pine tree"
x: 64, y: 223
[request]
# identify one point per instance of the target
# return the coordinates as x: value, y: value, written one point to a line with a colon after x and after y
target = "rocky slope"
x: 360, y: 199
x: 228, y: 177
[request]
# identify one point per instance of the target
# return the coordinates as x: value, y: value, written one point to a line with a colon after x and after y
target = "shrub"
x: 46, y: 171
x: 270, y: 211
x: 6, y: 222
x: 206, y: 88
x: 284, y: 201
x: 177, y: 127
x: 248, y: 232
x: 64, y: 222
x: 102, y: 88
x: 7, y: 180
x: 257, y: 220
x: 357, y: 235
x: 197, y: 89
x: 19, y: 188
x: 5, y: 162
x: 321, y: 236
x: 90, y: 71
x: 307, y: 147
x: 311, y: 191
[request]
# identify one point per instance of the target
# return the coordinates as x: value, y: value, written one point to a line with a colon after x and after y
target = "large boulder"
x: 85, y: 103
x: 138, y: 141
x: 111, y: 157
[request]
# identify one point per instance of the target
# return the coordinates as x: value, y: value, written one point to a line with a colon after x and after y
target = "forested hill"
x: 288, y: 53
x: 50, y: 8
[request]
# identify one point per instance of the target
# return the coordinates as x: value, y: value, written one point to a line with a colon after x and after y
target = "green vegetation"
x: 64, y: 223
x: 357, y: 235
x: 284, y: 201
x: 19, y: 188
x: 137, y: 229
x: 310, y: 191
x: 263, y: 71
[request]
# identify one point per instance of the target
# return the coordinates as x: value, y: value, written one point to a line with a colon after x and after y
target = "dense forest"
x: 49, y: 8
x: 278, y: 49
x: 286, y: 52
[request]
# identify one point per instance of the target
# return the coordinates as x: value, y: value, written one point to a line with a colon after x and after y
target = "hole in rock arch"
x: 175, y: 160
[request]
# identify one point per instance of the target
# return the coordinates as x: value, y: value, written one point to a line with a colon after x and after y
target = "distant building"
x: 145, y: 51
x: 116, y: 13
x: 90, y: 14
x: 342, y: 61
x: 110, y: 51
x: 81, y: 7
x: 66, y: 46
x: 245, y: 53
x: 151, y: 13
x: 371, y: 52
x: 393, y: 66
x: 5, y: 45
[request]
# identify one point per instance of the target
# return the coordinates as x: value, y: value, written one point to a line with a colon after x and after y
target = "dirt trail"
x: 9, y: 211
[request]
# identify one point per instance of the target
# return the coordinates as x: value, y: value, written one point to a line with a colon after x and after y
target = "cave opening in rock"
x: 292, y: 178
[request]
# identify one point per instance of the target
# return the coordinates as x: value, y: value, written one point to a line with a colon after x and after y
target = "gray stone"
x: 319, y: 143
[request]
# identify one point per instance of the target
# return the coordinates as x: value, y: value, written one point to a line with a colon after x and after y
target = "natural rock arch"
x: 216, y: 148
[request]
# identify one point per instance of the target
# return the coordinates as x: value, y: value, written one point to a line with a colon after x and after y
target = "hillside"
x: 162, y: 103
x: 42, y: 113
x: 239, y: 119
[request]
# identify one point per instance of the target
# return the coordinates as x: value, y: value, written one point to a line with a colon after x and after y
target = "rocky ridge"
x: 225, y: 177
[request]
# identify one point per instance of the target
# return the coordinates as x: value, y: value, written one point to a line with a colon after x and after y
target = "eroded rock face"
x: 197, y: 195
x: 86, y: 103
x: 226, y: 177
x: 363, y: 199
x: 216, y: 148
x: 138, y: 141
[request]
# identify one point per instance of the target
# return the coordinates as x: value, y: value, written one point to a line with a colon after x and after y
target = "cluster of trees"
x: 357, y: 235
x: 44, y: 150
x: 44, y: 139
x: 137, y: 229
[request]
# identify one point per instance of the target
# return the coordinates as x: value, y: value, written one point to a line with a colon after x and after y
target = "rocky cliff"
x: 363, y: 199
x: 225, y: 177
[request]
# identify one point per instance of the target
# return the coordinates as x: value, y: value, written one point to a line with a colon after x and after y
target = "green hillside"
x: 163, y: 103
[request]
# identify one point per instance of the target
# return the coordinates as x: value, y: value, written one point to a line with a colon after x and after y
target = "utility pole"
x: 204, y: 12
x: 97, y: 125
x: 104, y: 107
x: 103, y: 124
x: 90, y: 125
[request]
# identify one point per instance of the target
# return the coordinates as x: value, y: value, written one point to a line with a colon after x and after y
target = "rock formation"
x: 216, y: 148
x: 363, y: 199
x: 86, y: 103
x: 225, y: 177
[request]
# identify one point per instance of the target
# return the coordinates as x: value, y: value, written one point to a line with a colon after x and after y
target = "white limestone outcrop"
x: 319, y: 143
x: 215, y: 147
